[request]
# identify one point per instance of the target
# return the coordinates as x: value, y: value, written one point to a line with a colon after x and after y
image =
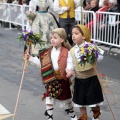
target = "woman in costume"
x: 44, y: 21
x: 87, y: 89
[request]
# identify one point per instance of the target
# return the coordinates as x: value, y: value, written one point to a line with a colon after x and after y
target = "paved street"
x: 30, y: 106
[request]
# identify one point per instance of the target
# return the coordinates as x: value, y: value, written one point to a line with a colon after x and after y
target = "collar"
x: 76, y: 46
x: 58, y: 49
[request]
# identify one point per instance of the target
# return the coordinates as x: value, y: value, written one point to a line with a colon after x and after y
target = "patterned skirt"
x: 43, y: 24
x: 58, y: 89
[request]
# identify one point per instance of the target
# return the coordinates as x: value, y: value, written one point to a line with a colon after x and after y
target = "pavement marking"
x: 3, y: 110
x: 4, y: 113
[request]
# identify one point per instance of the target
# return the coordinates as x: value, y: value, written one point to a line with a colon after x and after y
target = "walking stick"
x: 100, y: 80
x: 24, y: 68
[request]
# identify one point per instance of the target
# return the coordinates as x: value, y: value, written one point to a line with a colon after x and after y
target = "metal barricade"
x: 104, y: 26
x: 108, y: 28
x: 86, y: 18
x: 13, y: 13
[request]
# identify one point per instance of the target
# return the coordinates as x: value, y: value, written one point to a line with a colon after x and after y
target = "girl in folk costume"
x: 87, y: 89
x: 56, y: 69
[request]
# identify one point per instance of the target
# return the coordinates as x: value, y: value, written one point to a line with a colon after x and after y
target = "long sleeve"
x: 32, y: 5
x: 69, y: 62
x: 60, y: 10
x: 54, y: 56
x: 57, y: 8
x: 100, y: 55
x: 50, y: 4
x: 77, y: 3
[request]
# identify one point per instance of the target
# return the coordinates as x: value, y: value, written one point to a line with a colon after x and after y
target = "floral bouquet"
x: 30, y: 16
x: 30, y: 39
x: 88, y: 53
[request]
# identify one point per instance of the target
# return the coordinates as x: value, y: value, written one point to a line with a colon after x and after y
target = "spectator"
x: 87, y: 5
x: 94, y: 7
x: 84, y: 3
x: 22, y: 14
x: 104, y: 7
x: 66, y: 11
x: 113, y: 7
x: 27, y: 2
x: 6, y: 13
x: 1, y: 11
x: 109, y: 26
x: 15, y: 2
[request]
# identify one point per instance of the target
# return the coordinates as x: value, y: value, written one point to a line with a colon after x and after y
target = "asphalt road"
x: 30, y: 105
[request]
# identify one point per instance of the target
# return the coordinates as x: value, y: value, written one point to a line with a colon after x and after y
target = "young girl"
x: 87, y: 89
x: 56, y: 69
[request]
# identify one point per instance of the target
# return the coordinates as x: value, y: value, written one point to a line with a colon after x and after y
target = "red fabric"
x: 66, y: 93
x: 62, y: 61
x: 90, y: 24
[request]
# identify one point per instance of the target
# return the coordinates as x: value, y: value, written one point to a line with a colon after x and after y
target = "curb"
x: 109, y: 50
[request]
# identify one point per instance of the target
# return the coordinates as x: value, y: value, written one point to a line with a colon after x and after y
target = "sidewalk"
x: 30, y: 106
x: 114, y: 50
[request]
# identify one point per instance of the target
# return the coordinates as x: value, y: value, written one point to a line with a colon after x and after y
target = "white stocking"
x: 49, y: 112
x: 71, y: 111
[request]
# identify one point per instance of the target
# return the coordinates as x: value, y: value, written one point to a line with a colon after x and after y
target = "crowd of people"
x: 64, y: 16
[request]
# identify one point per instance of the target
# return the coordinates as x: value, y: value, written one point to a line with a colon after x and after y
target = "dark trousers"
x: 67, y: 24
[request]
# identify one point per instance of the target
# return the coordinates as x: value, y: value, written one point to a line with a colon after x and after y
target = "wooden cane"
x: 24, y: 68
x: 101, y: 83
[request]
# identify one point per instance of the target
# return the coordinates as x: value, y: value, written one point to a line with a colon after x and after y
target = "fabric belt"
x: 42, y: 11
x: 57, y: 75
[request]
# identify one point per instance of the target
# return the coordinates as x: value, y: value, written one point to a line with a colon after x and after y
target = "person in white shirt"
x: 66, y: 11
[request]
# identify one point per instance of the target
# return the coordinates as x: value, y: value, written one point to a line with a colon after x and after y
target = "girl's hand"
x: 26, y: 56
x: 69, y: 73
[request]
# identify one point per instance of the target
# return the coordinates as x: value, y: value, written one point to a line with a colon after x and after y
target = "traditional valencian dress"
x: 54, y: 65
x: 44, y: 22
x: 87, y: 89
x: 61, y: 61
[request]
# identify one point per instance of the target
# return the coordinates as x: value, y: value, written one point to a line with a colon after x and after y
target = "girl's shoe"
x: 96, y: 113
x: 83, y: 117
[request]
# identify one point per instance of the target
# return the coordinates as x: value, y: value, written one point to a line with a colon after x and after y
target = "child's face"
x: 93, y: 4
x: 56, y: 40
x: 77, y: 36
